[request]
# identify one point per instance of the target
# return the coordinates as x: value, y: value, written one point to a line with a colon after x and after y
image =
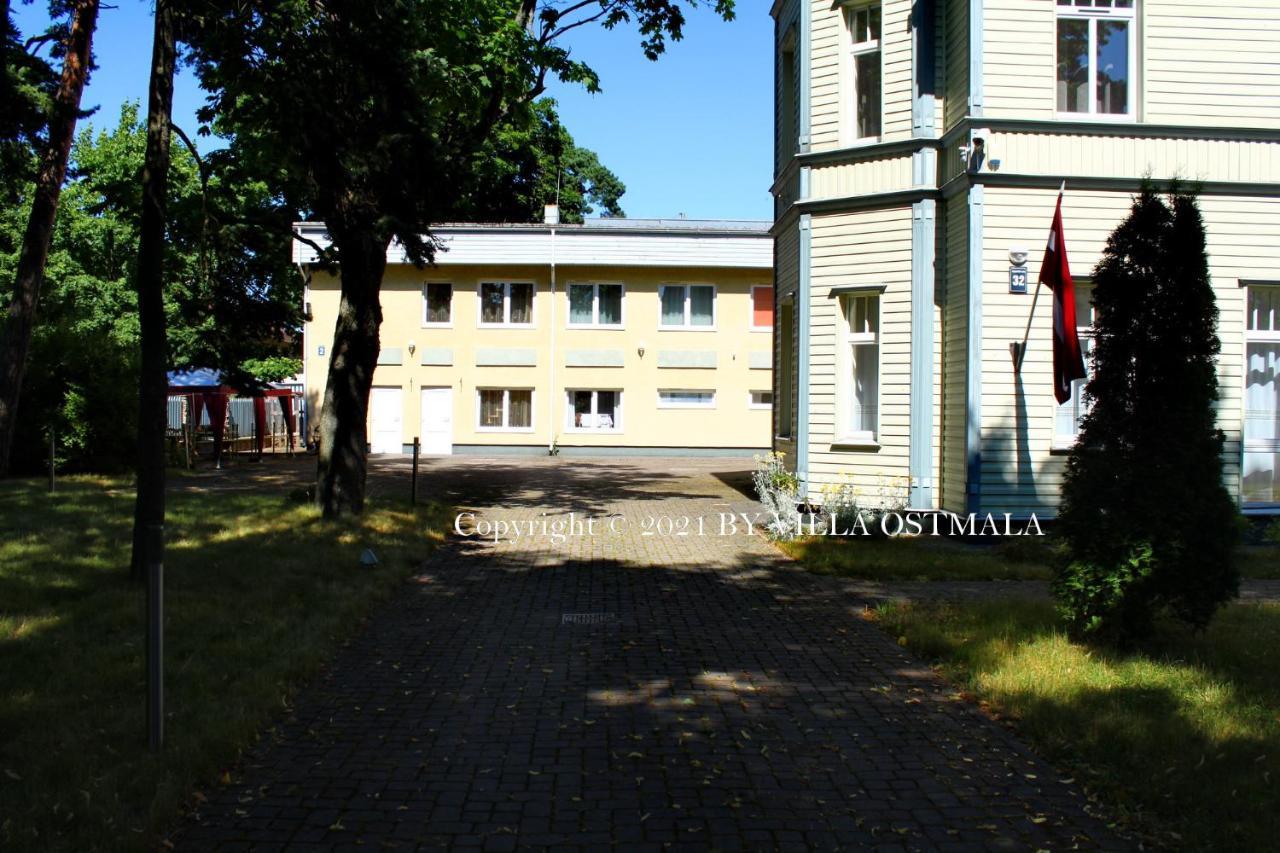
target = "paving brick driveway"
x: 710, y: 697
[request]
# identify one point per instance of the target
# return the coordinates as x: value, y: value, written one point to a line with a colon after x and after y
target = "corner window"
x: 687, y: 306
x: 686, y: 399
x: 1096, y: 49
x: 760, y: 400
x: 863, y: 66
x: 504, y: 409
x: 595, y: 411
x: 861, y: 374
x: 1260, y: 472
x: 762, y: 308
x: 1067, y: 418
x: 437, y: 303
x: 506, y: 303
x: 595, y: 305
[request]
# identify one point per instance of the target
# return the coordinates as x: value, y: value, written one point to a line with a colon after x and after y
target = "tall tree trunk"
x: 20, y: 321
x: 153, y: 385
x: 343, y: 418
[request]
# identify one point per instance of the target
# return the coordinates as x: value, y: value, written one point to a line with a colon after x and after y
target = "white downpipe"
x: 551, y: 367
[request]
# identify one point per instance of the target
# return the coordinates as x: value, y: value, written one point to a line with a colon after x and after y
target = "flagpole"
x: 1021, y: 348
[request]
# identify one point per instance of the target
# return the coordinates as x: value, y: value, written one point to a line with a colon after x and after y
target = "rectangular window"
x: 504, y: 409
x: 785, y: 368
x: 1068, y: 415
x: 506, y: 303
x: 864, y: 69
x: 686, y: 399
x: 595, y: 305
x: 1096, y: 48
x: 760, y: 400
x: 861, y: 376
x: 595, y: 411
x: 688, y: 306
x: 1261, y: 465
x: 762, y: 307
x: 437, y: 303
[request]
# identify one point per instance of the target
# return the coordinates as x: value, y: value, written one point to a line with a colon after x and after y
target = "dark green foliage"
x: 1148, y: 523
x: 26, y: 93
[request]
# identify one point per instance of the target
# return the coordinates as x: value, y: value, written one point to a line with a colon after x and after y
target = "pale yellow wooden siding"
x: 895, y: 45
x: 1018, y: 63
x: 955, y: 35
x: 882, y: 174
x: 864, y: 247
x: 786, y: 31
x: 824, y: 80
x: 1019, y: 471
x: 954, y: 263
x: 1108, y: 156
x: 1212, y: 63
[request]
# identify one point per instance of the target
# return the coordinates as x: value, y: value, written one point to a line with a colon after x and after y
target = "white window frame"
x: 428, y: 324
x: 1085, y: 332
x: 1094, y: 14
x: 751, y: 309
x: 506, y: 305
x: 1256, y: 445
x: 848, y: 340
x: 506, y: 410
x: 595, y: 305
x: 667, y: 404
x: 850, y: 52
x: 752, y: 404
x: 688, y: 308
x: 595, y: 410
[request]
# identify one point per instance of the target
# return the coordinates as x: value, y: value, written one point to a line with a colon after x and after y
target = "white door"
x: 387, y: 415
x: 437, y: 421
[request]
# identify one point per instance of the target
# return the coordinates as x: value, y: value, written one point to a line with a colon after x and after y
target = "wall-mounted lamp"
x: 640, y: 349
x: 412, y: 347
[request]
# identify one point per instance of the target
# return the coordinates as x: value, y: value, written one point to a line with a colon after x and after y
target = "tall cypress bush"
x: 1148, y: 522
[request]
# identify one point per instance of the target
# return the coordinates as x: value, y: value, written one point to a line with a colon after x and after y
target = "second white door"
x: 437, y: 421
x: 386, y: 412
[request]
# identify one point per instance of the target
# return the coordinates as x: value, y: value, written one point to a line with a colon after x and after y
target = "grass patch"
x: 1181, y: 738
x: 259, y: 591
x: 1260, y: 562
x: 922, y: 559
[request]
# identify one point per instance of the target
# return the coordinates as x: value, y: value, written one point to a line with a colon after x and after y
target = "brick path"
x: 722, y: 699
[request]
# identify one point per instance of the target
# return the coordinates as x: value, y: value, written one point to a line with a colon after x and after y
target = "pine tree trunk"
x: 153, y: 382
x: 15, y: 342
x: 342, y: 466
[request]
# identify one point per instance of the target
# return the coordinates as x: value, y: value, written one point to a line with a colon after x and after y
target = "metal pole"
x: 413, y: 498
x: 155, y: 636
x: 53, y: 446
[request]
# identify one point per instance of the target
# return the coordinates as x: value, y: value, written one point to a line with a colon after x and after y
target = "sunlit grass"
x: 920, y: 559
x: 1181, y: 738
x: 259, y: 591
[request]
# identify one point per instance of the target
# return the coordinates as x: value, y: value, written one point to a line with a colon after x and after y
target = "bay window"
x: 1261, y: 465
x: 860, y: 379
x: 1068, y: 416
x: 1096, y: 54
x: 862, y: 67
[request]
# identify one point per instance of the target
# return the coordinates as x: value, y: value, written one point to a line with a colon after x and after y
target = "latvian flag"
x: 1068, y: 364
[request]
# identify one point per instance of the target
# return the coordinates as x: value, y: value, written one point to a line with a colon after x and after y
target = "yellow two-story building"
x: 612, y: 337
x: 920, y: 148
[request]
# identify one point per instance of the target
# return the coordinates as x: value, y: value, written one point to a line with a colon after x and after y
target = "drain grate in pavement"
x: 588, y: 618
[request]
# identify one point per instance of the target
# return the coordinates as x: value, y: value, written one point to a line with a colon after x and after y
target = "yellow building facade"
x: 612, y: 337
x: 920, y: 147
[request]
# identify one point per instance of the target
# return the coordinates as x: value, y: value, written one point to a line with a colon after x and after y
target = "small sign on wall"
x: 320, y: 350
x: 1017, y: 279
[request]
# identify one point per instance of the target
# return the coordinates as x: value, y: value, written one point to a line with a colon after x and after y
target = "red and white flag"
x: 1068, y: 363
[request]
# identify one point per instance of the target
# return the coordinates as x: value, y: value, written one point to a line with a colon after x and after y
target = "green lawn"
x: 1181, y: 739
x: 259, y: 592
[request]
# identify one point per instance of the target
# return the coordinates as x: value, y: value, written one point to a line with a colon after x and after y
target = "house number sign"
x: 1017, y: 279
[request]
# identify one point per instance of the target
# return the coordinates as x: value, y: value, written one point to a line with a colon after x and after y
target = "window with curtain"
x: 506, y: 303
x: 501, y: 408
x: 861, y: 376
x: 863, y: 24
x: 437, y: 303
x: 1261, y: 464
x: 688, y: 306
x: 595, y: 304
x: 1096, y: 51
x: 1067, y: 416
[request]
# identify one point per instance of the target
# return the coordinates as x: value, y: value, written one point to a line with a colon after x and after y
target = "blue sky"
x: 688, y: 134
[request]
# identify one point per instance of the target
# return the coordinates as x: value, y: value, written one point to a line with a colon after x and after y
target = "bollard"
x: 413, y: 497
